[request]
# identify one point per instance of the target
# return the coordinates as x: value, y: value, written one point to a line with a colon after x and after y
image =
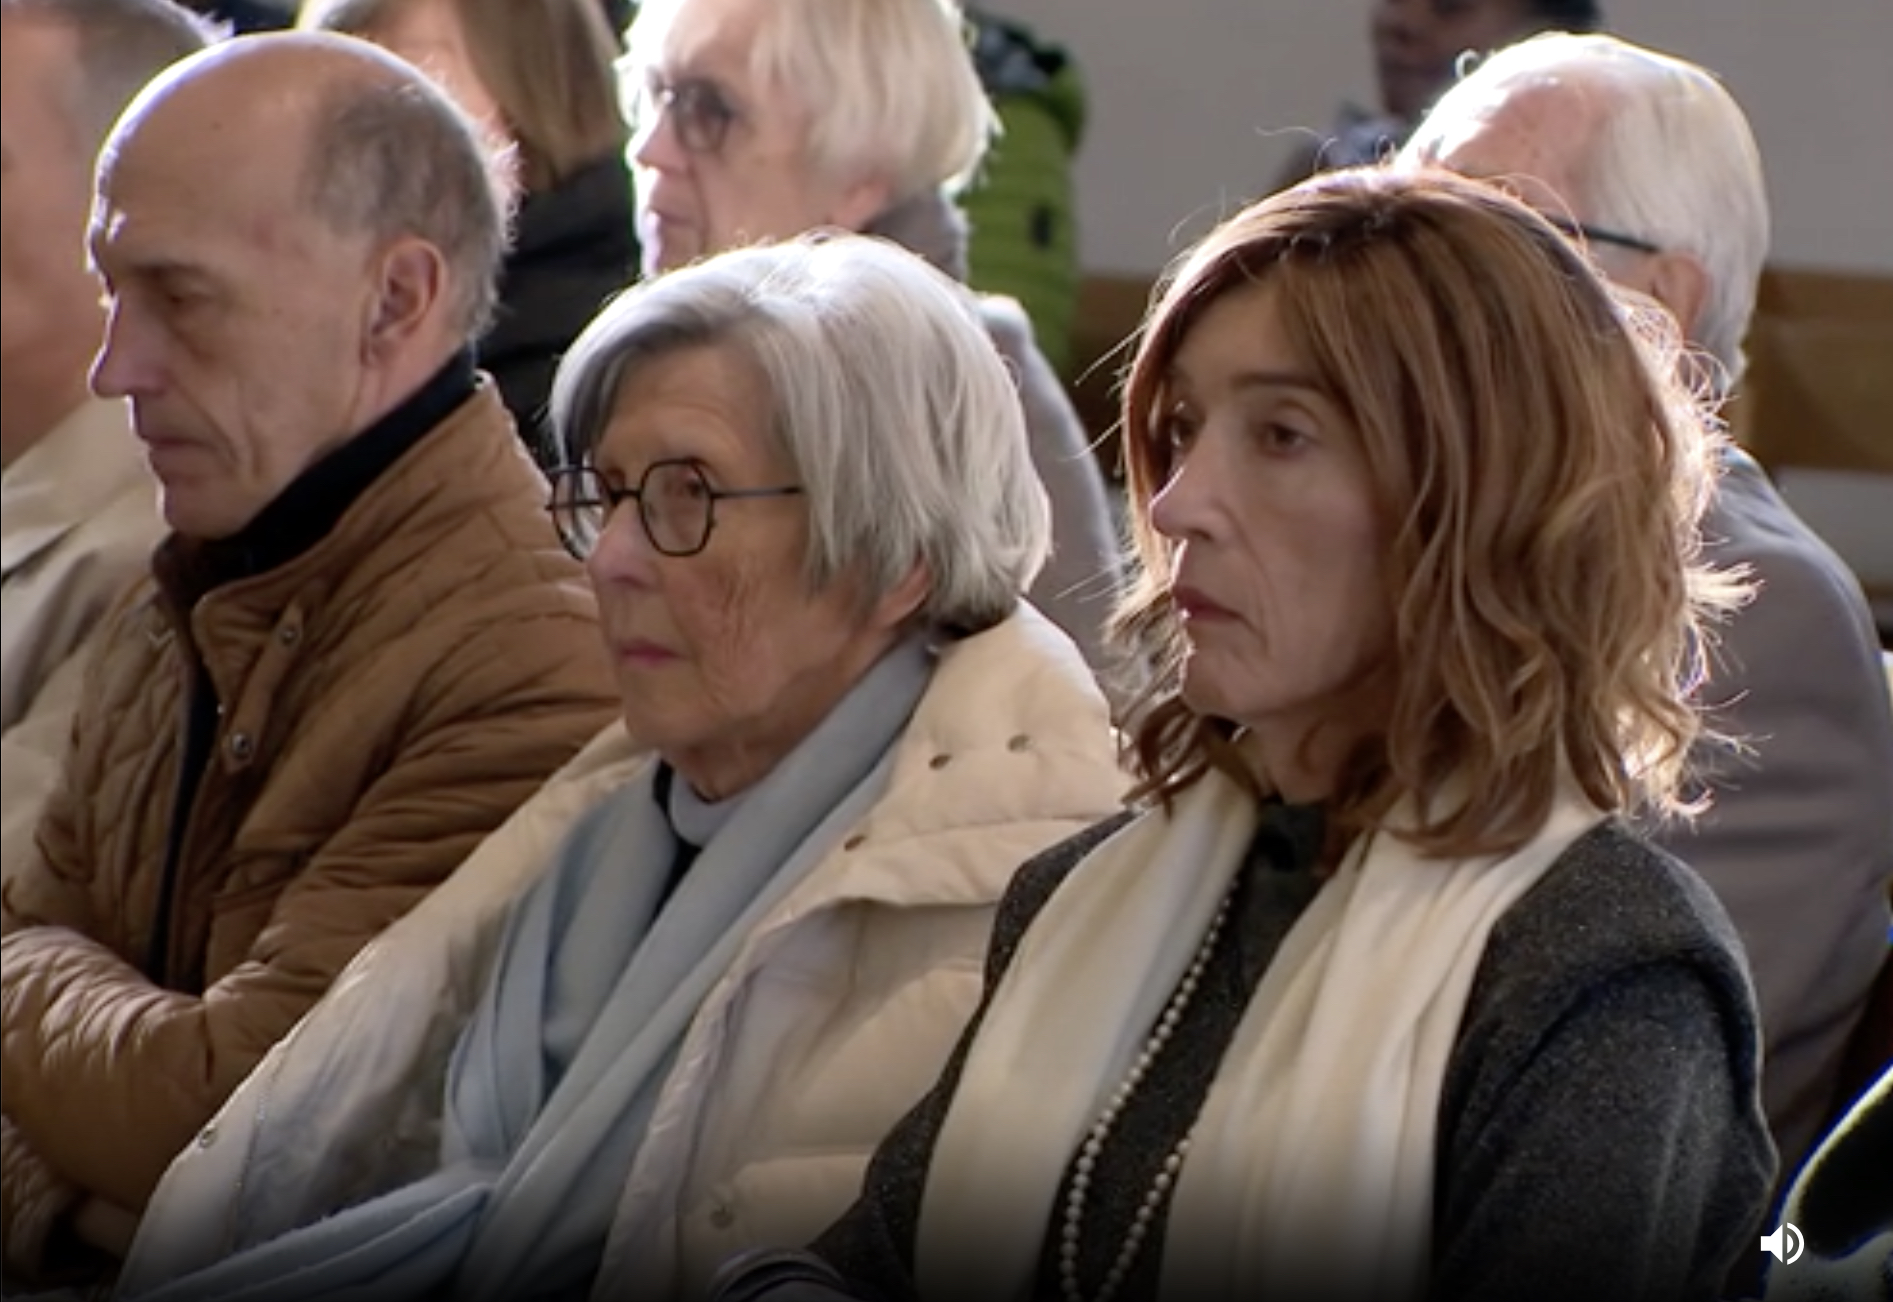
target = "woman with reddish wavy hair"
x: 1374, y: 993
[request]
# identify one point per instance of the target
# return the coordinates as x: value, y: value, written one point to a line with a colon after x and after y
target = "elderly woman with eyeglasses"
x: 753, y: 913
x: 760, y: 119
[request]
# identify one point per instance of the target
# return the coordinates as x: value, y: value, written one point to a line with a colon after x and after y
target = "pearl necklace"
x: 1100, y: 1129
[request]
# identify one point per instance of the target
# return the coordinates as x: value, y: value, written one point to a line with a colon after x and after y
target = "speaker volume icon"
x: 1785, y: 1243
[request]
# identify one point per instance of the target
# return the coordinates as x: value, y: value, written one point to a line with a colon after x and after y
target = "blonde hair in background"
x: 546, y: 63
x: 1542, y: 478
x: 889, y: 85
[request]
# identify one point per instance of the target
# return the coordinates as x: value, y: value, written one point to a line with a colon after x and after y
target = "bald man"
x: 1649, y: 161
x: 360, y: 645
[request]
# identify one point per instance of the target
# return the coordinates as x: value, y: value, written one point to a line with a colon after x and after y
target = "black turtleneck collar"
x: 1292, y: 836
x: 303, y: 513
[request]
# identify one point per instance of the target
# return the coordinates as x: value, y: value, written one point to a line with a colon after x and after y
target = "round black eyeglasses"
x: 676, y: 506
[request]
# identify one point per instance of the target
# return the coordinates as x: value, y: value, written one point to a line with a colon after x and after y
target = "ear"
x: 859, y: 202
x: 1680, y: 283
x: 899, y: 603
x: 410, y: 289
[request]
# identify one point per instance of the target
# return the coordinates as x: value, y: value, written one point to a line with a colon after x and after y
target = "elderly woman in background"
x: 799, y: 478
x: 1378, y: 997
x: 539, y: 77
x: 760, y: 119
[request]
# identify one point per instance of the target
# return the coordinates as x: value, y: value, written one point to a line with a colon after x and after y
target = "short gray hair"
x: 1674, y: 162
x: 889, y: 85
x: 122, y: 45
x: 901, y: 419
x: 395, y: 157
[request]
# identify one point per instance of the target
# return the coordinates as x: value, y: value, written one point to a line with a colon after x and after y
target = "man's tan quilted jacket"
x: 388, y: 698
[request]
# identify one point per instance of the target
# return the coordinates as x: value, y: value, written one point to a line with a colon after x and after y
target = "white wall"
x: 1195, y: 103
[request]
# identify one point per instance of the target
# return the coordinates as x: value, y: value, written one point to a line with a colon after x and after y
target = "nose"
x: 655, y: 144
x: 1189, y: 504
x: 127, y: 364
x: 623, y: 555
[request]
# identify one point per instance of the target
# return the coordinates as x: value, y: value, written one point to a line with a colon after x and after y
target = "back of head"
x: 889, y: 85
x: 1672, y: 161
x: 1539, y: 476
x: 396, y: 158
x: 379, y: 150
x: 547, y: 65
x: 121, y: 45
x: 890, y: 400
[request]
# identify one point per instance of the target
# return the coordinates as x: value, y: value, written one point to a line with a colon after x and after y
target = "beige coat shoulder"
x: 78, y: 521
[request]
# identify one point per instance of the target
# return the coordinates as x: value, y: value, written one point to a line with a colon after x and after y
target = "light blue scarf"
x: 595, y: 983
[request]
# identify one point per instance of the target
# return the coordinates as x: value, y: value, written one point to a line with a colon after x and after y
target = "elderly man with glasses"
x: 1649, y: 162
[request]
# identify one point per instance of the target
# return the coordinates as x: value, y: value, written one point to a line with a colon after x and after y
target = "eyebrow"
x: 188, y: 275
x: 709, y: 443
x: 1266, y: 380
x: 1277, y: 380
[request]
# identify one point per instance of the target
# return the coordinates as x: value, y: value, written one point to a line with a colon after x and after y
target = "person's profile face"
x: 725, y: 656
x: 1417, y: 44
x: 719, y: 156
x: 236, y: 318
x: 49, y: 317
x: 1271, y: 509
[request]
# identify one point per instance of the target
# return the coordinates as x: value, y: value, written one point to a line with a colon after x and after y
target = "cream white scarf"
x: 1319, y: 1128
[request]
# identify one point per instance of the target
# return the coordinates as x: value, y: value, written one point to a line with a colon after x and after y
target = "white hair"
x: 1673, y: 162
x: 901, y: 419
x: 889, y: 85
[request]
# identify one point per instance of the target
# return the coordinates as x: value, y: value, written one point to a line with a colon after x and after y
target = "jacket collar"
x: 1013, y: 721
x: 309, y: 508
x: 929, y: 224
x: 84, y: 464
x: 1017, y: 694
x: 472, y: 463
